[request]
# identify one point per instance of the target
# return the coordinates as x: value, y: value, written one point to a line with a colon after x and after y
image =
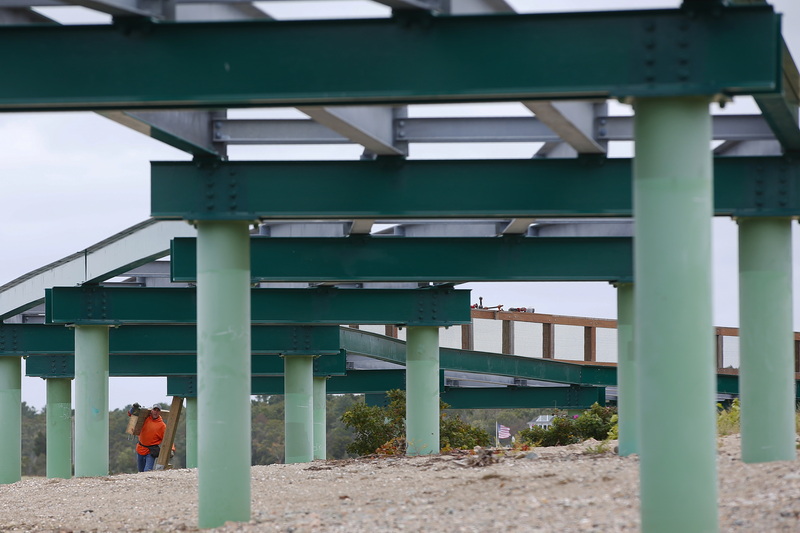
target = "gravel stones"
x: 570, y: 488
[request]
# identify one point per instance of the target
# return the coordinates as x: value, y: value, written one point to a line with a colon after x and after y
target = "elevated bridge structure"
x: 173, y: 69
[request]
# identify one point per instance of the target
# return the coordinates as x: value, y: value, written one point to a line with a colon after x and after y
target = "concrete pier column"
x: 223, y: 372
x: 191, y: 432
x: 320, y: 417
x: 422, y: 390
x: 91, y: 401
x: 766, y: 367
x: 674, y: 334
x: 298, y: 382
x: 627, y: 404
x: 59, y: 428
x: 11, y: 417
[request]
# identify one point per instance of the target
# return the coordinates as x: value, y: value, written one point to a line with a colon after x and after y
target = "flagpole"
x: 496, y: 435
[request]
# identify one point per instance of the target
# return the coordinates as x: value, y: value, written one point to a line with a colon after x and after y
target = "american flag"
x: 503, y: 432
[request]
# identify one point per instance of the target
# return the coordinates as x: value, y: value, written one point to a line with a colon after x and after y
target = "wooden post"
x: 390, y: 331
x: 508, y: 337
x: 548, y: 341
x: 589, y: 343
x: 162, y: 463
x: 467, y: 337
x: 797, y: 355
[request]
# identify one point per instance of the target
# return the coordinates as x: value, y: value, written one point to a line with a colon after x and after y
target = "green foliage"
x: 34, y: 458
x: 371, y: 428
x: 383, y: 428
x: 268, y: 427
x: 457, y: 434
x: 728, y: 419
x: 613, y: 433
x: 597, y: 423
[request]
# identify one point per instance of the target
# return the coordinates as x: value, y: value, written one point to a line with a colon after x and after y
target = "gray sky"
x: 73, y: 179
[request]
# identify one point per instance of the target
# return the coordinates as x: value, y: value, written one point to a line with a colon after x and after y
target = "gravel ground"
x: 560, y: 490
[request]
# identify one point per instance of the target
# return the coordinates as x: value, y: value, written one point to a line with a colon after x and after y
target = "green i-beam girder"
x: 435, y: 306
x: 172, y: 339
x: 389, y: 188
x: 380, y: 381
x: 447, y: 259
x: 153, y: 365
x: 136, y: 64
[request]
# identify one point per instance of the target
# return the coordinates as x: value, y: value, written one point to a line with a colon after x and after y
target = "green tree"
x: 375, y: 427
x: 34, y: 449
x: 594, y: 423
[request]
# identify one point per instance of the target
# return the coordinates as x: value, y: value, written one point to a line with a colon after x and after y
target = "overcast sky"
x: 73, y: 179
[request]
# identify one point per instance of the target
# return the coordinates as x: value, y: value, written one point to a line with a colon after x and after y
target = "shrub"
x: 382, y: 429
x: 728, y: 420
x: 560, y: 433
x: 595, y: 423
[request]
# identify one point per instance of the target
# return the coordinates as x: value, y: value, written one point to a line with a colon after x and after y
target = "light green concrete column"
x: 298, y: 383
x: 91, y: 401
x: 673, y: 314
x: 191, y: 432
x: 223, y: 372
x: 627, y: 403
x: 320, y: 417
x: 59, y: 428
x: 766, y: 358
x: 11, y: 421
x: 422, y: 390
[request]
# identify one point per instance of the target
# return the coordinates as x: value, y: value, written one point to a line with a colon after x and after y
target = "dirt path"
x: 559, y: 489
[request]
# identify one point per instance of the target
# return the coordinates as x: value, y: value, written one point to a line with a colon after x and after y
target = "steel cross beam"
x: 440, y: 306
x: 145, y: 65
x: 362, y: 258
x: 380, y: 381
x: 388, y: 188
x: 160, y: 365
x: 41, y: 339
x: 465, y: 129
x: 393, y: 351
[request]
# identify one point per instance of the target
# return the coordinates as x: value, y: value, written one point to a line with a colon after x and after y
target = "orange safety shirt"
x: 152, y: 433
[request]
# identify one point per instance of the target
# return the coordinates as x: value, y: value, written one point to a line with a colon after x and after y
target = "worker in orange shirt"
x: 149, y: 446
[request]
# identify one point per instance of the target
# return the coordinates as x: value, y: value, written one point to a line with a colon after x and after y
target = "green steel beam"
x: 389, y: 188
x: 729, y: 384
x: 26, y: 339
x: 380, y: 381
x: 149, y: 365
x: 393, y: 351
x: 574, y: 397
x: 35, y: 339
x: 447, y: 259
x: 149, y: 65
x: 780, y: 110
x: 440, y: 306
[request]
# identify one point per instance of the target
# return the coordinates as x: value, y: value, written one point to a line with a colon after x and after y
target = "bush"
x: 594, y: 423
x: 728, y: 420
x: 382, y: 429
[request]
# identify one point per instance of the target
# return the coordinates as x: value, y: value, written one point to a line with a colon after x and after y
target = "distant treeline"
x: 267, y: 432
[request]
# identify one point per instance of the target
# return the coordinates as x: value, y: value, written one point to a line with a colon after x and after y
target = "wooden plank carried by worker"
x: 162, y: 463
x: 135, y: 423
